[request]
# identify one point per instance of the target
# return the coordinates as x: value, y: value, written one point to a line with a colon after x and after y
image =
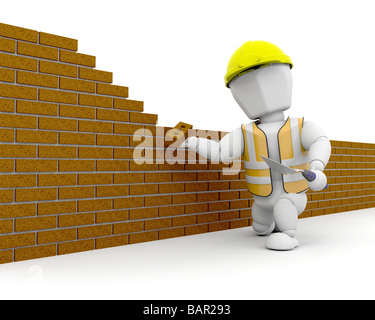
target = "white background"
x: 173, y: 54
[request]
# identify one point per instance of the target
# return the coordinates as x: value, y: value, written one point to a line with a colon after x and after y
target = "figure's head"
x: 260, y: 79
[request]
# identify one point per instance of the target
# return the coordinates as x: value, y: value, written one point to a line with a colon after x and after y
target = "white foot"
x: 281, y: 242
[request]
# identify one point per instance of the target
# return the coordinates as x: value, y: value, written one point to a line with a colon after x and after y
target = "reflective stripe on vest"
x: 292, y: 154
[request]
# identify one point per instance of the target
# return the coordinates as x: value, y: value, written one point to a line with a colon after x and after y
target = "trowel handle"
x: 311, y: 176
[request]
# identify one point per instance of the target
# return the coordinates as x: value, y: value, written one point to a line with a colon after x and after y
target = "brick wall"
x: 68, y: 178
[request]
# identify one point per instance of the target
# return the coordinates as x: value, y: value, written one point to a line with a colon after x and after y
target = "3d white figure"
x: 259, y: 77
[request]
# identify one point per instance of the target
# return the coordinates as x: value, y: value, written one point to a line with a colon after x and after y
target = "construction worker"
x: 259, y: 77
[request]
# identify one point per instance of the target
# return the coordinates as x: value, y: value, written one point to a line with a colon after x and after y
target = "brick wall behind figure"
x: 68, y: 179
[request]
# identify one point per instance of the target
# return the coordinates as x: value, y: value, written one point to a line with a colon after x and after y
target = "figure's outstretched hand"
x: 320, y: 181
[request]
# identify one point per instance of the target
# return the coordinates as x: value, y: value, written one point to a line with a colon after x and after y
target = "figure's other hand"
x: 319, y: 183
x: 190, y: 143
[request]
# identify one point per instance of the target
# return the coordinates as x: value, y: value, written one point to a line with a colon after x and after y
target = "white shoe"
x: 281, y: 242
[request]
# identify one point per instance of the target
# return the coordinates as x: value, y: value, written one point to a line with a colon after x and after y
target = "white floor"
x: 335, y: 260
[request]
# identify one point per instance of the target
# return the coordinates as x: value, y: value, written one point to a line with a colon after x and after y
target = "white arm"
x: 317, y: 143
x: 228, y: 148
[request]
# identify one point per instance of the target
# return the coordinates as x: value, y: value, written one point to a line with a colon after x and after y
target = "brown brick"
x: 53, y: 236
x: 128, y: 202
x: 138, y: 189
x: 219, y: 226
x: 34, y: 252
x: 17, y: 210
x: 95, y: 75
x: 171, y: 211
x: 143, y: 213
x: 158, y: 200
x: 94, y: 100
x: 209, y: 196
x: 143, y: 237
x: 76, y: 165
x: 77, y: 85
x: 112, y: 115
x: 94, y: 205
x: 143, y: 117
x: 76, y: 138
x: 209, y: 217
x: 7, y: 105
x: 6, y: 256
x: 31, y: 136
x: 76, y: 219
x: 94, y: 178
x: 17, y: 151
x: 37, y: 51
x: 57, y: 152
x: 18, y: 62
x: 191, y: 230
x: 111, y: 165
x: 76, y: 246
x: 195, y: 187
x: 112, y: 90
x: 94, y: 126
x: 111, y: 216
x: 17, y: 180
x: 125, y: 104
x: 93, y: 152
x: 127, y: 227
x: 60, y: 69
x: 184, y: 221
x: 57, y: 124
x: 6, y: 226
x: 94, y: 231
x: 7, y: 45
x: 39, y: 223
x: 36, y: 79
x: 18, y: 33
x: 155, y: 224
x: 171, y: 233
x: 17, y: 240
x: 48, y: 208
x: 134, y: 166
x: 184, y: 176
x: 111, y: 191
x: 39, y: 194
x: 33, y: 107
x: 123, y: 153
x: 239, y: 223
x: 112, y: 140
x: 127, y: 128
x: 207, y: 176
x: 17, y: 121
x: 77, y: 112
x: 6, y: 165
x: 196, y: 208
x: 238, y: 204
x: 127, y: 177
x: 31, y: 165
x: 18, y: 92
x: 6, y: 196
x: 77, y: 58
x: 218, y: 206
x: 58, y: 41
x: 112, y: 241
x: 7, y: 75
x: 76, y: 192
x: 57, y: 96
x: 171, y: 188
x: 56, y: 179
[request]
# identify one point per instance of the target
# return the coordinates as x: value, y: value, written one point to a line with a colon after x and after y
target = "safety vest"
x: 292, y: 154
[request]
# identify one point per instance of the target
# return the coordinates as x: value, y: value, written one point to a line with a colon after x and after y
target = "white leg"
x: 263, y: 220
x: 286, y: 211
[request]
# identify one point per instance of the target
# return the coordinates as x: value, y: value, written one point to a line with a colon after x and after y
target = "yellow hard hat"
x: 253, y: 54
